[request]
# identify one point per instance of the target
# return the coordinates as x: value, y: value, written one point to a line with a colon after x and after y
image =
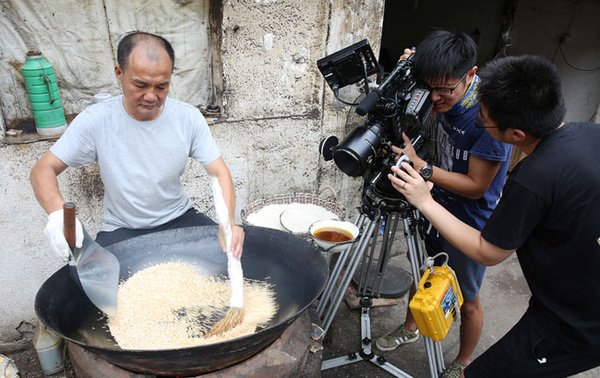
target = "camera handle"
x: 369, y: 102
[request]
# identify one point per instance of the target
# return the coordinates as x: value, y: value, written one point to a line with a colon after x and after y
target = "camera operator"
x: 548, y: 214
x: 468, y: 179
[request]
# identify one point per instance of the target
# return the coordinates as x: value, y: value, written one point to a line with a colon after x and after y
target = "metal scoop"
x: 97, y: 269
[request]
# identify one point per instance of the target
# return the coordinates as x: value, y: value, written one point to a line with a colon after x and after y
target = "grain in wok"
x: 170, y: 305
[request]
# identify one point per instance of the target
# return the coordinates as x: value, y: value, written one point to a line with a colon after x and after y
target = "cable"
x: 336, y: 92
x: 365, y: 73
x: 429, y: 261
x: 564, y: 38
x: 562, y: 53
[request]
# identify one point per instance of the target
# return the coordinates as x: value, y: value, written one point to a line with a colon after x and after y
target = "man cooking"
x: 141, y: 141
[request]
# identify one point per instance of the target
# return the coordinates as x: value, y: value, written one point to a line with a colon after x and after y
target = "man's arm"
x: 472, y: 185
x: 219, y: 169
x: 464, y: 237
x: 44, y: 181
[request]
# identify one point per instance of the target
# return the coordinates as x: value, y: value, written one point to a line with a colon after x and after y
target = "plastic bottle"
x: 48, y: 346
x: 44, y: 97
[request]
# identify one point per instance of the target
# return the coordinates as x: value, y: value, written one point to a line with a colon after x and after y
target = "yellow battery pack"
x: 435, y: 303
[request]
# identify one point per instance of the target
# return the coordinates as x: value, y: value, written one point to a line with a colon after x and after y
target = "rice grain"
x: 170, y: 305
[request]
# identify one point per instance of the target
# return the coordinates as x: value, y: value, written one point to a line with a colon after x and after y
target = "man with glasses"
x: 468, y: 174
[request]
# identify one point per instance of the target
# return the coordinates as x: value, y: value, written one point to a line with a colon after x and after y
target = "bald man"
x: 141, y: 142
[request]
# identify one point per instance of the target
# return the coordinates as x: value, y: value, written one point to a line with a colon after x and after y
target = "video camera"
x: 399, y: 104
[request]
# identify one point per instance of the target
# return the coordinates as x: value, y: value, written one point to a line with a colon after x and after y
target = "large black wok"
x: 292, y: 264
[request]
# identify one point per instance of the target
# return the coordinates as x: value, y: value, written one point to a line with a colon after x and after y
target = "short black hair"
x: 523, y: 92
x: 131, y: 39
x: 444, y: 54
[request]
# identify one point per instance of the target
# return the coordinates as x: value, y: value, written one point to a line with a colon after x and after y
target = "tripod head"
x: 376, y: 202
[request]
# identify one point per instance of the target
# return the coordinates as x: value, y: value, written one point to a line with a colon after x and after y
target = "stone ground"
x: 504, y: 296
x: 29, y: 367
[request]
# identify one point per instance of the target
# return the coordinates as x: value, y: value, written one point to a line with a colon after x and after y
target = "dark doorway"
x: 405, y: 23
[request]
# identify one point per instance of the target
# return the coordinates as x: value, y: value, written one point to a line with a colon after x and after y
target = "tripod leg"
x: 335, y: 273
x: 374, y: 263
x: 416, y: 256
x: 388, y: 239
x: 367, y: 260
x: 439, y: 357
x: 372, y: 274
x: 355, y: 253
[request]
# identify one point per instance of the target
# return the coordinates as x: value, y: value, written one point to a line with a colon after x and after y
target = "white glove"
x: 55, y: 232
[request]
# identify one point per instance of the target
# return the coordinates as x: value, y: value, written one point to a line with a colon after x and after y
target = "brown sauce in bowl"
x: 332, y: 235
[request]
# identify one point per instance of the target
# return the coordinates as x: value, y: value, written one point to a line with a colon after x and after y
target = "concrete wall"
x: 568, y: 33
x: 277, y: 110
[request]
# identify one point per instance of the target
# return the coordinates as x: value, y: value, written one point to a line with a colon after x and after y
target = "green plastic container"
x: 44, y: 96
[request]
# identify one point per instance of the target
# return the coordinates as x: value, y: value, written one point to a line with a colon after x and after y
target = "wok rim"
x: 224, y: 353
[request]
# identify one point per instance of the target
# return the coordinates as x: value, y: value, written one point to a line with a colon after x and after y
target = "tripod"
x: 374, y: 209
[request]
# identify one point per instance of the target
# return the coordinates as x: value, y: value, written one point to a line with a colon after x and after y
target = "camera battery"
x: 436, y: 301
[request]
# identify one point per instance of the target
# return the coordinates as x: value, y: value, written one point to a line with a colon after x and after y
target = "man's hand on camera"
x: 411, y: 185
x: 407, y: 52
x: 409, y: 151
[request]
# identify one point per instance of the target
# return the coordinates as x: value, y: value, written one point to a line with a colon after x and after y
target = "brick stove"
x: 289, y: 355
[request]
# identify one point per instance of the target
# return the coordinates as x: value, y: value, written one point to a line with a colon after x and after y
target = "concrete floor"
x: 504, y: 295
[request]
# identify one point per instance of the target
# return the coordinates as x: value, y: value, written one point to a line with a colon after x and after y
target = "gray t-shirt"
x: 140, y: 163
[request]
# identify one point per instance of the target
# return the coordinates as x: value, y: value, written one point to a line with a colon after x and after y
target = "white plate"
x: 298, y: 217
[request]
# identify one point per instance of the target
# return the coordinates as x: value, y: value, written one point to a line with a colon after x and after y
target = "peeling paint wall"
x: 276, y: 109
x: 269, y: 49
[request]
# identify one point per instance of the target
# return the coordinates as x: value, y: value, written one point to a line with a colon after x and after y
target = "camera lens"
x: 354, y: 154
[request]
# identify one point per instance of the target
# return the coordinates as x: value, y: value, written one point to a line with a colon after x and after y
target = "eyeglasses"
x: 445, y: 91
